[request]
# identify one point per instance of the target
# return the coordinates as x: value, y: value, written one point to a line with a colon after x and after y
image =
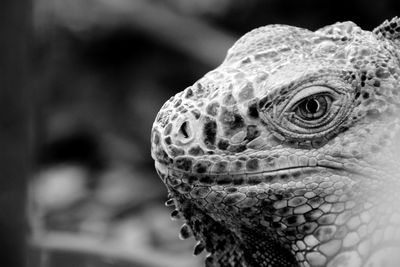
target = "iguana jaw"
x: 334, y: 215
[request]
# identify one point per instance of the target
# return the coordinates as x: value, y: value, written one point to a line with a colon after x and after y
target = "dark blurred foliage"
x: 310, y: 14
x: 101, y: 71
x: 15, y: 22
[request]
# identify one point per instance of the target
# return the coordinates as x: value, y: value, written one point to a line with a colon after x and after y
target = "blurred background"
x: 101, y: 69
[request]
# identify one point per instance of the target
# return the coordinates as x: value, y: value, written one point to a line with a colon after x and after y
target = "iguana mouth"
x: 174, y: 176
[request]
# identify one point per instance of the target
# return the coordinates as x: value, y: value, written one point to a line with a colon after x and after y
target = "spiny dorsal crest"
x: 389, y: 30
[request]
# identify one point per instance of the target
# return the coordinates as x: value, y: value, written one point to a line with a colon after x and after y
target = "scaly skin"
x: 287, y: 154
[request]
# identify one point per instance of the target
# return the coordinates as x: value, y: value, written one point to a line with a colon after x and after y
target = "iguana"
x: 287, y: 154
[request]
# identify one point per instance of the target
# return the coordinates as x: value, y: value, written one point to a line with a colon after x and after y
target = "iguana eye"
x: 313, y: 107
x: 308, y: 112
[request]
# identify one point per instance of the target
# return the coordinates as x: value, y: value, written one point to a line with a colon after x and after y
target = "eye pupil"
x: 313, y: 108
x: 312, y: 105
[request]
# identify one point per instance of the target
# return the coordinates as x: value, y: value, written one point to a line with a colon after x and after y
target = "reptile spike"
x: 198, y: 248
x: 170, y: 202
x: 389, y: 29
x: 185, y: 232
x: 175, y: 215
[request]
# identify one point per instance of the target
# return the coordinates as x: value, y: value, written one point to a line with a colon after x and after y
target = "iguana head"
x: 287, y: 154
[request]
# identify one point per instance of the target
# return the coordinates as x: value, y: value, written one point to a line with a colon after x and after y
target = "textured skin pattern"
x: 287, y: 154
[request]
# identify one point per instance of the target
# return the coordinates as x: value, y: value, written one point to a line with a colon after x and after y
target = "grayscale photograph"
x: 200, y: 133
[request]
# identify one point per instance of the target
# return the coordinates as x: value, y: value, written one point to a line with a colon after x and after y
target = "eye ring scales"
x: 313, y: 112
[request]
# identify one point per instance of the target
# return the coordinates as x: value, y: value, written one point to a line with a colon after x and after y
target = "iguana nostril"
x: 185, y: 130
